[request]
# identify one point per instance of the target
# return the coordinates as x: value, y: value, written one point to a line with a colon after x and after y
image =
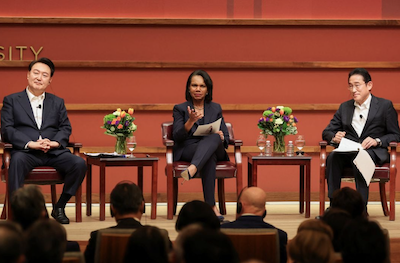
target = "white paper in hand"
x: 365, y: 165
x: 207, y: 129
x: 347, y: 145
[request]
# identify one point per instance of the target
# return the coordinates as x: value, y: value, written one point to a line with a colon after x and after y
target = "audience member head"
x: 197, y: 212
x: 46, y: 241
x: 207, y: 81
x: 11, y: 243
x: 252, y: 201
x: 316, y: 225
x: 337, y: 219
x: 349, y: 200
x: 147, y: 244
x: 311, y: 246
x: 126, y: 200
x: 196, y: 244
x: 45, y: 61
x: 28, y: 206
x: 363, y: 241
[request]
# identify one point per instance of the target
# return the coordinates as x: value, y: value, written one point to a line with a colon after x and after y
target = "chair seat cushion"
x: 44, y: 175
x: 382, y: 172
x: 225, y: 169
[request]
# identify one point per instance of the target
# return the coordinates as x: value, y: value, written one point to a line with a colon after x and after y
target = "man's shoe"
x: 59, y: 215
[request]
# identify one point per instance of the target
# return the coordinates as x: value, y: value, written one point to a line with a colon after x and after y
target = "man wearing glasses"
x: 365, y: 119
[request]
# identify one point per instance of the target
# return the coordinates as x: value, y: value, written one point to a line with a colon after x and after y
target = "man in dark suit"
x: 37, y: 125
x: 250, y: 214
x: 365, y: 119
x: 127, y: 206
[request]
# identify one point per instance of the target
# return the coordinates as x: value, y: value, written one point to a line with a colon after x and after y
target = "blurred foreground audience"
x: 11, y: 243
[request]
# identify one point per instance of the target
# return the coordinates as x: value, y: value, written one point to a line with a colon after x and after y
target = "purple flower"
x: 269, y: 108
x: 116, y: 123
x: 126, y: 123
x: 286, y: 118
x: 295, y: 119
x: 270, y: 115
x: 108, y: 122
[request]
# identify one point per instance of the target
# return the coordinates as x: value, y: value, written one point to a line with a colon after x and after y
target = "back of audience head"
x: 337, y: 219
x: 28, y: 206
x: 316, y: 225
x: 147, y: 244
x: 252, y: 200
x: 46, y: 242
x: 126, y: 198
x: 197, y: 212
x: 11, y: 243
x: 363, y: 241
x: 311, y: 246
x: 196, y: 244
x: 349, y: 200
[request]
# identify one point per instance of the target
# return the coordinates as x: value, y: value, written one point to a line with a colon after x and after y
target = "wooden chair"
x: 42, y: 175
x: 383, y: 174
x: 73, y: 257
x: 255, y: 243
x: 224, y: 169
x: 111, y: 244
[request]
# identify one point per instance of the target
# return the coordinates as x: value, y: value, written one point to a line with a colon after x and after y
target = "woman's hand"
x: 194, y: 115
x: 221, y: 134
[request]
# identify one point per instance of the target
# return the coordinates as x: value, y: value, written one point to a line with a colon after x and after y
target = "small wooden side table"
x: 139, y: 161
x: 254, y: 160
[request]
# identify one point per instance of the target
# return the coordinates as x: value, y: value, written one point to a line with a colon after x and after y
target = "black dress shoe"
x: 59, y: 215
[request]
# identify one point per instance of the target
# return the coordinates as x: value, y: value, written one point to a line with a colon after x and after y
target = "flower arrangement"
x: 279, y: 122
x: 120, y: 124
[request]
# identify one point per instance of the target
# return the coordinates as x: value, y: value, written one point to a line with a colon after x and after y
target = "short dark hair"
x: 27, y: 205
x: 361, y: 71
x: 363, y: 241
x: 337, y: 219
x: 147, y: 244
x: 349, y: 200
x: 209, y: 246
x: 46, y: 242
x: 11, y: 242
x: 126, y: 198
x: 197, y: 212
x: 207, y: 80
x: 46, y: 61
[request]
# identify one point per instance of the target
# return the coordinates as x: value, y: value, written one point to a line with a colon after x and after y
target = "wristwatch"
x: 378, y: 141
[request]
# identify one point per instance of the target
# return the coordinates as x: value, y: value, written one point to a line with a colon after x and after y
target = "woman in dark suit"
x: 202, y: 152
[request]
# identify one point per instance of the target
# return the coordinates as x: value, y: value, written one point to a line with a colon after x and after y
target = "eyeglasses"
x: 357, y: 85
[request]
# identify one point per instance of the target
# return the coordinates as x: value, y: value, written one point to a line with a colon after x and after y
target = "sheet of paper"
x: 365, y: 165
x: 207, y: 129
x: 104, y: 155
x: 347, y: 145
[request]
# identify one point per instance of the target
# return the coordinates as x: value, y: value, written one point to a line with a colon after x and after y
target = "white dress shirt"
x: 360, y: 115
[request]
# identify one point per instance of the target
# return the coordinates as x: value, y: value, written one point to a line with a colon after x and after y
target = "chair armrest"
x: 393, y: 154
x: 168, y: 142
x: 76, y: 146
x: 6, y: 154
x: 236, y: 142
x: 322, y: 156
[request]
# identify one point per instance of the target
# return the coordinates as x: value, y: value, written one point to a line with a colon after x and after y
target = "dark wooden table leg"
x: 308, y: 188
x: 249, y: 172
x: 254, y: 173
x: 301, y: 190
x: 154, y: 177
x: 102, y: 192
x: 89, y: 190
x: 140, y: 177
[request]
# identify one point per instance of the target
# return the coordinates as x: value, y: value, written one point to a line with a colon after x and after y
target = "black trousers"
x: 335, y: 164
x: 205, y: 154
x: 72, y: 167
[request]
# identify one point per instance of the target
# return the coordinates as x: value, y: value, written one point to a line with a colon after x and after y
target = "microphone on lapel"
x: 39, y: 106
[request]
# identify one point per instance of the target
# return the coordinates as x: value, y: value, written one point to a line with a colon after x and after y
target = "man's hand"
x: 368, y: 143
x: 43, y: 145
x: 338, y: 136
x: 221, y: 134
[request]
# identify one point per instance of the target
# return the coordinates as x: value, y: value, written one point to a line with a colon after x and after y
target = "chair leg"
x: 322, y: 192
x: 4, y: 212
x: 382, y: 192
x: 221, y: 196
x: 78, y: 205
x: 175, y: 189
x: 392, y: 197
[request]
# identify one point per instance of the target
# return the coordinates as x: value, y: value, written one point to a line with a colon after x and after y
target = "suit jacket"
x: 381, y: 123
x: 91, y: 247
x: 253, y: 221
x: 18, y: 125
x: 212, y: 112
